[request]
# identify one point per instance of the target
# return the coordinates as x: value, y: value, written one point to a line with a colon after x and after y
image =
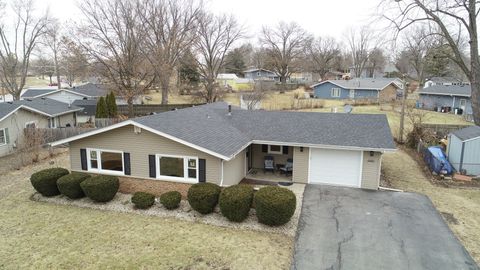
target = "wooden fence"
x: 442, y: 130
x: 104, y: 122
x: 40, y: 136
x: 140, y: 110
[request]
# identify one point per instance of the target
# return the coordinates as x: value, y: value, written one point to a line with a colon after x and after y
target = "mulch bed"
x: 131, y: 185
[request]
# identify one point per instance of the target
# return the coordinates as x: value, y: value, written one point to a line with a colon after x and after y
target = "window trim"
x: 52, y: 123
x: 99, y: 161
x: 334, y: 93
x: 464, y: 101
x: 275, y: 152
x: 4, y: 137
x: 185, y: 178
x: 31, y: 122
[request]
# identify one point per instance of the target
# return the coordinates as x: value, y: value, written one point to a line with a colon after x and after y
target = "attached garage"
x: 335, y: 167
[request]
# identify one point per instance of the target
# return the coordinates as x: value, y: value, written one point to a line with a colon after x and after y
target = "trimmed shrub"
x: 235, y: 202
x: 203, y: 197
x: 274, y: 205
x: 101, y: 188
x: 171, y: 199
x: 45, y: 181
x: 143, y: 200
x: 69, y: 185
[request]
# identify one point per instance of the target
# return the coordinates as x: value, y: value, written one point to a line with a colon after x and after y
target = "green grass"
x: 48, y: 236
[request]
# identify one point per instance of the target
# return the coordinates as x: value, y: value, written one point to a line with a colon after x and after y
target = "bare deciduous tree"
x: 323, y: 53
x: 285, y: 44
x: 17, y: 43
x: 215, y: 38
x: 456, y: 21
x: 52, y: 40
x: 170, y: 26
x: 376, y: 62
x: 253, y: 99
x: 113, y: 36
x: 360, y: 43
x: 74, y: 62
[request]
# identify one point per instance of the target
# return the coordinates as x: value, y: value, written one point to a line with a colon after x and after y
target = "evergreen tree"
x: 101, y: 111
x: 111, y: 105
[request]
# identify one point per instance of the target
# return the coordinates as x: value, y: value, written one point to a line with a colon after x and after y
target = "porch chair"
x: 288, y: 168
x: 268, y: 164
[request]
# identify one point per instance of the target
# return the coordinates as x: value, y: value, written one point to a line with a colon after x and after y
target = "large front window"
x: 177, y: 168
x: 105, y: 161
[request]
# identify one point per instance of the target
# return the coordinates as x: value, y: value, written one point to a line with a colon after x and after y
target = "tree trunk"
x: 165, y: 85
x: 475, y: 98
x: 131, y: 113
x: 55, y: 58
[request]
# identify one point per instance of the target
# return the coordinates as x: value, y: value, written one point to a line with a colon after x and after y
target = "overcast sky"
x: 320, y: 17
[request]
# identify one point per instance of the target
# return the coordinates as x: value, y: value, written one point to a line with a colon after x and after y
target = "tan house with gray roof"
x: 211, y: 143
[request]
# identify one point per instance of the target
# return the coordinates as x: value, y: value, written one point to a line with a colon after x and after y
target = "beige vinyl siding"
x: 65, y: 119
x: 258, y: 157
x: 300, y: 165
x: 371, y: 170
x: 234, y: 170
x: 16, y: 124
x: 140, y: 146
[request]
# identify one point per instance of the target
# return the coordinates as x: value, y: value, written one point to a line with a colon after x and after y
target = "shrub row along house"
x: 16, y: 116
x: 375, y: 89
x: 211, y: 143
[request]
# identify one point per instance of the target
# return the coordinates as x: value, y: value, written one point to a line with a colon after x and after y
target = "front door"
x: 352, y: 93
x: 463, y: 104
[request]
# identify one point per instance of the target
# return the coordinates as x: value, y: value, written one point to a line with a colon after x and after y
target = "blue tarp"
x: 437, y: 160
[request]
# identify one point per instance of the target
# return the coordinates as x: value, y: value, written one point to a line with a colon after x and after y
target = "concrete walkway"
x: 347, y: 228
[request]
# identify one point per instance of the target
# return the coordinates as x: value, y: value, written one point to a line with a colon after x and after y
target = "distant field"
x: 36, y: 82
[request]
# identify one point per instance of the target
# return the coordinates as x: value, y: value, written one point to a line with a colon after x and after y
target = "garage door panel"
x: 335, y: 167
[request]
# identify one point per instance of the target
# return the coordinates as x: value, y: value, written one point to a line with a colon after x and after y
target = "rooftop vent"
x: 229, y: 109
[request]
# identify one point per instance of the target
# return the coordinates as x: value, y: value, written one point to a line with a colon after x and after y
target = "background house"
x: 378, y: 89
x: 38, y: 113
x: 87, y: 115
x: 234, y: 82
x: 446, y: 81
x: 463, y: 150
x: 261, y: 74
x: 452, y: 96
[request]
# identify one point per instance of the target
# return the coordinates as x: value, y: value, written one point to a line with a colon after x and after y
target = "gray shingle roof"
x: 32, y: 93
x: 467, y: 133
x: 362, y: 83
x: 89, y: 106
x: 210, y: 126
x: 447, y: 90
x: 44, y: 105
x: 91, y: 90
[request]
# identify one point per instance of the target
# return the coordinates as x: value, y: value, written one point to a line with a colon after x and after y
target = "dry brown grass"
x: 46, y: 236
x: 460, y: 207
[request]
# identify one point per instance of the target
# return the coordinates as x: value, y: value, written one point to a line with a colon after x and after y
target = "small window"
x: 192, y: 168
x: 30, y: 125
x: 335, y: 92
x: 274, y: 149
x: 3, y: 137
x: 52, y: 123
x: 107, y: 161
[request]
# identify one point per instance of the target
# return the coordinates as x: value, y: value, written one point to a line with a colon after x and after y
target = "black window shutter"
x: 83, y: 159
x: 264, y: 148
x: 126, y: 163
x: 285, y: 150
x: 202, y: 171
x: 152, y: 166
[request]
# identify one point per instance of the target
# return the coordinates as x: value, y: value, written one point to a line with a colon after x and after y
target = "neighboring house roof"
x: 227, y: 76
x: 90, y: 90
x: 259, y: 69
x: 467, y: 133
x: 89, y: 106
x: 211, y: 129
x: 364, y: 84
x: 33, y: 93
x: 447, y: 90
x: 443, y: 79
x: 44, y: 106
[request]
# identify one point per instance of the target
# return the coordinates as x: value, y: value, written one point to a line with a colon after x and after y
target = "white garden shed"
x: 463, y: 150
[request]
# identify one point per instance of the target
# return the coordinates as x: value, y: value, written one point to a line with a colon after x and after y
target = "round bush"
x: 69, y: 185
x: 274, y: 205
x: 171, y: 200
x: 100, y: 188
x: 143, y: 200
x: 45, y: 181
x: 203, y: 197
x: 235, y: 202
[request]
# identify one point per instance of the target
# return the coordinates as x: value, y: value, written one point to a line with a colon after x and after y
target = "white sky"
x: 320, y: 17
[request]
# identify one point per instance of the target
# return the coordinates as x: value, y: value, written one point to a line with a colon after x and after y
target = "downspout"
x: 461, y: 158
x: 221, y: 176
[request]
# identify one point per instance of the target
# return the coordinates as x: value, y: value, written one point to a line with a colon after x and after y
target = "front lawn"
x: 42, y: 235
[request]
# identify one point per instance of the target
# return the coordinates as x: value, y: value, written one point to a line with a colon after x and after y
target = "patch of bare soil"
x: 463, y: 204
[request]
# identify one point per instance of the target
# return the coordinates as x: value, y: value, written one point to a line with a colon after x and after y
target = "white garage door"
x: 335, y: 167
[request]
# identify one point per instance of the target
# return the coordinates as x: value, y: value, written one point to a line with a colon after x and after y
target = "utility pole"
x: 402, y: 115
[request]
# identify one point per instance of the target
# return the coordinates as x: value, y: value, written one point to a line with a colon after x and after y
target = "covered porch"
x: 273, y: 163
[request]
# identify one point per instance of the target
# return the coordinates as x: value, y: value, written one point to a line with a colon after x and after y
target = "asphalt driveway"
x: 347, y: 228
